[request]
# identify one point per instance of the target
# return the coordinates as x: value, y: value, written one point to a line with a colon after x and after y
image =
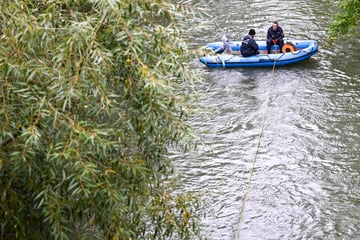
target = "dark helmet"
x: 252, y: 32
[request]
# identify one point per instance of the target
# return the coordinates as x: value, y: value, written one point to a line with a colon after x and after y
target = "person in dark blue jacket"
x: 274, y: 36
x: 249, y: 46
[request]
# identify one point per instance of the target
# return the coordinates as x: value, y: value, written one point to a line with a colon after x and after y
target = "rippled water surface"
x: 306, y: 181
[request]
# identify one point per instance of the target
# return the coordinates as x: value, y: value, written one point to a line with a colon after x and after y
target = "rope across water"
x: 256, y: 153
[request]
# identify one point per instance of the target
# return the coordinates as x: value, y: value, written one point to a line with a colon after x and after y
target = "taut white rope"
x: 256, y: 153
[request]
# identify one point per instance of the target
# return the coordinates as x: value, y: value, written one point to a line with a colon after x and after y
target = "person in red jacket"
x: 274, y: 36
x: 249, y: 46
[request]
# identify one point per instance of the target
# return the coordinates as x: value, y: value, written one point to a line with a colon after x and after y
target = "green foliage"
x: 346, y: 21
x: 92, y: 95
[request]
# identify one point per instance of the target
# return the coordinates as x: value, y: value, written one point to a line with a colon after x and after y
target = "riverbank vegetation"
x: 93, y: 93
x: 346, y: 21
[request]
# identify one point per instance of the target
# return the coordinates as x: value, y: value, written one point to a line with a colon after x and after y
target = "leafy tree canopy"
x: 93, y: 93
x: 346, y: 21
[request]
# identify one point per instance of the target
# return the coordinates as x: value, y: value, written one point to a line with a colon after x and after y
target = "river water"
x: 306, y: 181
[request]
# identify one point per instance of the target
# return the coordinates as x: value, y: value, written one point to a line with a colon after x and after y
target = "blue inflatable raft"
x: 292, y: 52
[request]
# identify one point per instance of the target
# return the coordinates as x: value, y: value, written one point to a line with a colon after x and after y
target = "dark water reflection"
x: 306, y: 182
